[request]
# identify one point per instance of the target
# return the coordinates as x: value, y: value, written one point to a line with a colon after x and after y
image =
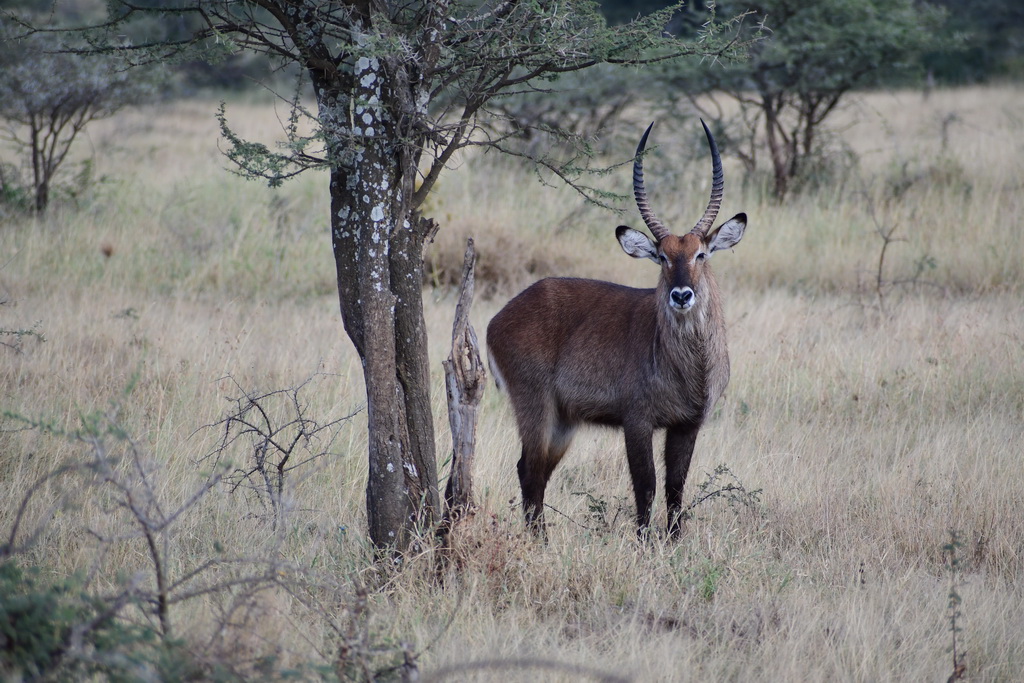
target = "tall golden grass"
x: 873, y: 426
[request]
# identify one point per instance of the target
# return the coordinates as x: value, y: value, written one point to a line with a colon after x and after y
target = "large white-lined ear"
x: 636, y: 244
x: 728, y: 234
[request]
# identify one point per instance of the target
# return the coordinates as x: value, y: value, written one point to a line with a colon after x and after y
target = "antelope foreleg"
x: 679, y: 443
x: 640, y: 455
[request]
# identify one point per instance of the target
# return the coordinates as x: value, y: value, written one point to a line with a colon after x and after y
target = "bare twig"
x: 883, y: 284
x: 276, y: 446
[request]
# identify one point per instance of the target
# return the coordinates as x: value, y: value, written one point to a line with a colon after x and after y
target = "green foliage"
x: 15, y: 194
x: 34, y: 621
x: 705, y: 578
x: 54, y: 628
x: 254, y: 159
x: 839, y: 44
x: 981, y: 42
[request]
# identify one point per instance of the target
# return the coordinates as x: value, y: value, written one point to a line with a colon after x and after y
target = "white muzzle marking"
x: 682, y: 298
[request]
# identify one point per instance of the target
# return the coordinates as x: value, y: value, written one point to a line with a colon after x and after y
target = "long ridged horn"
x: 659, y: 231
x: 717, y: 187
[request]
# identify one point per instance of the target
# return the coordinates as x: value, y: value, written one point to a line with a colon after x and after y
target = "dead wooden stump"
x: 465, y: 379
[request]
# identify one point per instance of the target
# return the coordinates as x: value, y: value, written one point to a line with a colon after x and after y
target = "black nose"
x: 682, y: 297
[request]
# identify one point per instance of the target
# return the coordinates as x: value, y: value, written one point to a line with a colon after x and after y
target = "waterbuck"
x: 571, y: 351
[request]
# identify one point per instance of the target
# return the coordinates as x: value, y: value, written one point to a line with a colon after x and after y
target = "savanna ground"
x: 876, y: 422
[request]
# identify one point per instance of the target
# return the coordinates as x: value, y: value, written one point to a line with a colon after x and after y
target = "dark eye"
x: 663, y: 258
x: 701, y: 256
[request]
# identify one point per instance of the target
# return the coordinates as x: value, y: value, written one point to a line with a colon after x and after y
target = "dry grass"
x: 871, y: 434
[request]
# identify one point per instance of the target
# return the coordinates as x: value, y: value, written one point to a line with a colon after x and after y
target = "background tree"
x: 400, y: 87
x: 47, y: 98
x: 815, y: 52
x: 984, y: 41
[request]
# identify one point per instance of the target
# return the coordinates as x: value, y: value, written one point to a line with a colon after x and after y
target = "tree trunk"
x: 379, y: 281
x: 40, y: 178
x: 776, y: 145
x: 378, y: 251
x: 413, y: 363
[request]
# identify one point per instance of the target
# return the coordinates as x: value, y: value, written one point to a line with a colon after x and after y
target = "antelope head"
x: 683, y: 259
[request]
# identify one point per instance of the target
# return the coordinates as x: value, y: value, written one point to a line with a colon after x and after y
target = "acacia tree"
x: 47, y: 98
x: 400, y: 87
x: 812, y: 55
